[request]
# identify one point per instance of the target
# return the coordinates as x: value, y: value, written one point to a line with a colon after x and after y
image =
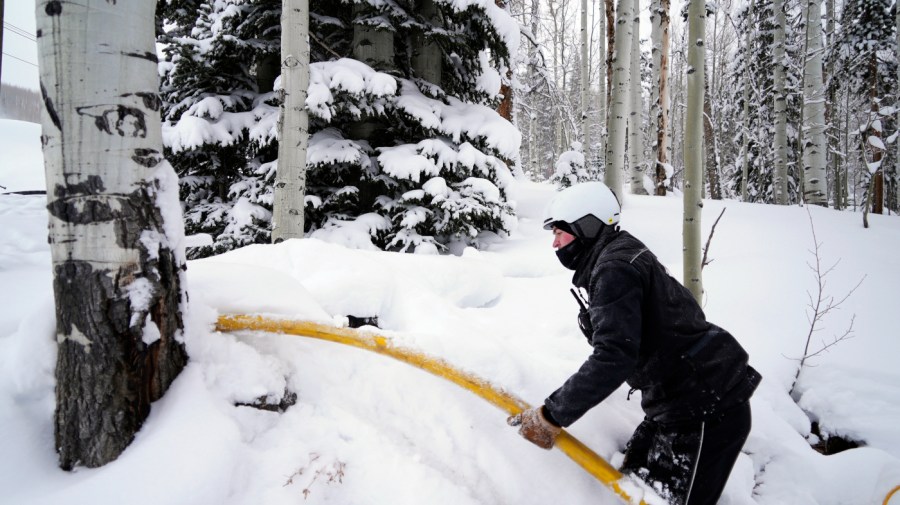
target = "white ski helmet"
x: 583, y: 209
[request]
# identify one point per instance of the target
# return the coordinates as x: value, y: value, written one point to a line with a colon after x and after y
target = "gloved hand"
x: 535, y: 427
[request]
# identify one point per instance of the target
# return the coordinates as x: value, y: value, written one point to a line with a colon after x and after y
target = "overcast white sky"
x: 19, y: 52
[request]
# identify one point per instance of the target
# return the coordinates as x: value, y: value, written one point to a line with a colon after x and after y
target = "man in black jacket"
x: 646, y: 329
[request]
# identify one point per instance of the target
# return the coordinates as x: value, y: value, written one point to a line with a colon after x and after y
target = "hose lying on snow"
x: 574, y: 449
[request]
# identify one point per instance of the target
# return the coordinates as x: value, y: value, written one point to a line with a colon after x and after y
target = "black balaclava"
x: 570, y: 255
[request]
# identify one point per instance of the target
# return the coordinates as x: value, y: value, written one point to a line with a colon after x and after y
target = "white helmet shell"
x: 583, y: 207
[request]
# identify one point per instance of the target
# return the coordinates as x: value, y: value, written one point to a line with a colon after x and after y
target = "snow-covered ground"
x: 367, y: 429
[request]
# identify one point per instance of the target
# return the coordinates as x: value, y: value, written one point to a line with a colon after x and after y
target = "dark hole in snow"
x: 358, y: 322
x: 832, y: 444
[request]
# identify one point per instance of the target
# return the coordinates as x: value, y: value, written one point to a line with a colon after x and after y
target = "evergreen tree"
x: 220, y: 115
x: 865, y: 62
x: 414, y: 152
x: 760, y: 126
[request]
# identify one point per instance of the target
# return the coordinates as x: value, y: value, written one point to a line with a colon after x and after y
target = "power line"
x: 20, y: 59
x: 18, y: 31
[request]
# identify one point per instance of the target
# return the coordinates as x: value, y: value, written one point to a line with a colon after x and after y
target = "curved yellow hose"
x: 891, y: 493
x: 574, y: 449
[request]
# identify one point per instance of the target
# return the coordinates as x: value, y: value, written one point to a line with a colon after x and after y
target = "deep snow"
x: 367, y: 429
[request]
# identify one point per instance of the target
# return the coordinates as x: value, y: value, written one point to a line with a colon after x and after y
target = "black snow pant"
x: 688, y: 464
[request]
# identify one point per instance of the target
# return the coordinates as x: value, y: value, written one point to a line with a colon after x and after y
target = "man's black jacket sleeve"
x: 615, y: 309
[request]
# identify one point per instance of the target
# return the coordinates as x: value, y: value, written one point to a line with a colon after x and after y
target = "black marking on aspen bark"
x: 699, y: 43
x: 151, y: 100
x: 146, y: 55
x: 93, y: 185
x: 54, y: 8
x: 117, y: 119
x: 147, y: 157
x: 51, y: 111
x: 39, y: 33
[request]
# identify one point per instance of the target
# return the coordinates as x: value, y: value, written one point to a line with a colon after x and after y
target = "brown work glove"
x: 535, y: 427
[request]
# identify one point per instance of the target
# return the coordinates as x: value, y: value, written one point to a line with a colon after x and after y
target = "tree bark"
x: 115, y: 228
x: 602, y: 95
x: 693, y: 149
x: 815, y: 148
x: 781, y: 173
x: 660, y: 98
x: 635, y: 119
x: 745, y: 119
x: 585, y: 79
x: 877, y: 187
x: 618, y: 113
x: 290, y: 180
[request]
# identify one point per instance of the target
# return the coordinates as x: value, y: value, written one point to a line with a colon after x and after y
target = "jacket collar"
x: 582, y: 275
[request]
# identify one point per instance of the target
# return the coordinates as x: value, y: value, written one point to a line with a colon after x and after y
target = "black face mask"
x: 570, y: 255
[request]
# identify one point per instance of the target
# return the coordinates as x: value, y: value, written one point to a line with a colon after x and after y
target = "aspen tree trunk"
x: 897, y: 160
x: 745, y: 146
x: 115, y: 225
x: 781, y: 174
x: 815, y: 142
x: 693, y: 148
x: 619, y: 102
x: 635, y: 119
x: 876, y: 187
x: 610, y: 54
x: 532, y: 130
x: 585, y: 78
x: 831, y: 110
x: 602, y: 95
x: 660, y: 87
x: 290, y: 180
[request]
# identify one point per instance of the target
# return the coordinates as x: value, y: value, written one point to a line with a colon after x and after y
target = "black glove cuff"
x: 549, y: 417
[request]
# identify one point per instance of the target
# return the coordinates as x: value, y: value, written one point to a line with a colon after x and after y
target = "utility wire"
x: 18, y: 31
x: 20, y: 59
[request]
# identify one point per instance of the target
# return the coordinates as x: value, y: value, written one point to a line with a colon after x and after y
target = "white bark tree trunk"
x: 290, y: 180
x: 659, y: 101
x: 781, y: 173
x: 619, y: 102
x: 815, y: 142
x: 585, y: 78
x: 635, y: 116
x: 693, y: 148
x: 115, y: 225
x: 603, y: 106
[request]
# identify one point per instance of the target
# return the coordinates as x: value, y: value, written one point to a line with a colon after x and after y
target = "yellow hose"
x: 572, y: 447
x: 888, y: 497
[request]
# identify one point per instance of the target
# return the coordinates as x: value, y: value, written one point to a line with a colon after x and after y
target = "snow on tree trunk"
x: 745, y: 118
x: 602, y: 96
x: 693, y: 148
x: 816, y: 145
x: 115, y: 229
x: 585, y: 77
x: 635, y: 119
x: 781, y: 174
x: 659, y: 100
x: 619, y: 102
x: 290, y: 181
